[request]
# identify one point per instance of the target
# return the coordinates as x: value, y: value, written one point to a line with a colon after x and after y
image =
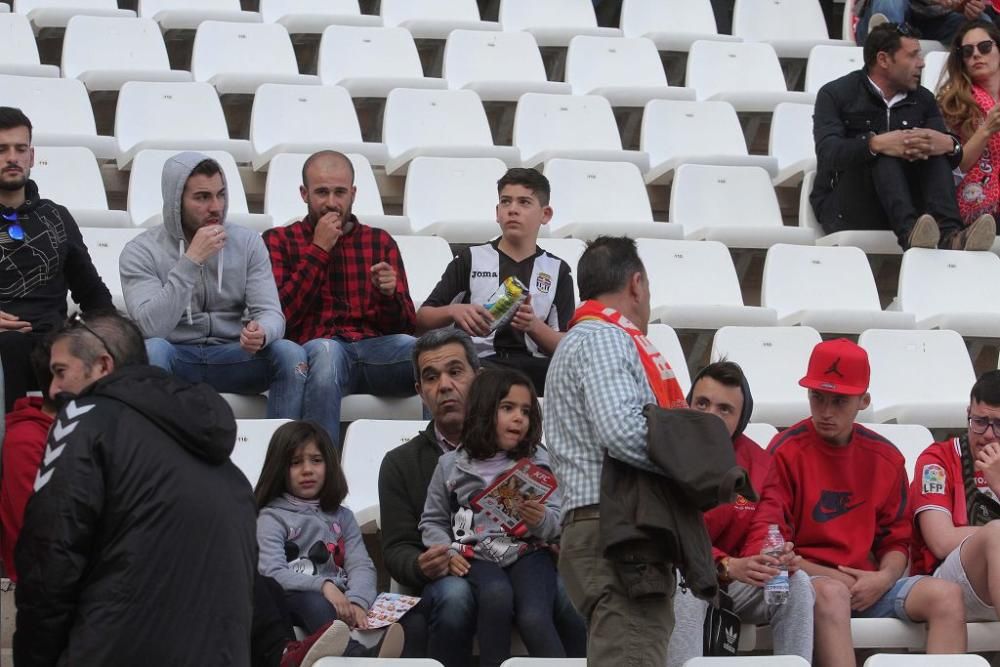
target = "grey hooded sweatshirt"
x: 170, y: 296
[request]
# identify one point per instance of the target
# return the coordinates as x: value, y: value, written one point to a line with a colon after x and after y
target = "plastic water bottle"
x: 776, y: 590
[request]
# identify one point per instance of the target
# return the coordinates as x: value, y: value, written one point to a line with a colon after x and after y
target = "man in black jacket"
x: 884, y: 157
x: 139, y: 544
x: 41, y: 256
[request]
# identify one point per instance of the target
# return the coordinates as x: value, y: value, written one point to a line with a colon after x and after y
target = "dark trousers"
x: 18, y: 376
x: 534, y: 367
x: 523, y: 593
x: 271, y: 629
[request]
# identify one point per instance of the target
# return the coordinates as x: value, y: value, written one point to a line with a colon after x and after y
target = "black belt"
x: 585, y: 513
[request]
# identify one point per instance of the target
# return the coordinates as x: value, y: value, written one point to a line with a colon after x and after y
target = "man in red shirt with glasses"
x: 953, y: 505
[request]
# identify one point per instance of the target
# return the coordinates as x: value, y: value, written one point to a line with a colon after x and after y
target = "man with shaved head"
x: 343, y: 290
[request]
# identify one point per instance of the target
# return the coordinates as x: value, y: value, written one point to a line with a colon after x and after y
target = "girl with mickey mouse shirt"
x: 310, y: 543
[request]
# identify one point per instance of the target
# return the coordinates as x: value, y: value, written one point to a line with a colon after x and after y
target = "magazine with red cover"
x: 525, y: 481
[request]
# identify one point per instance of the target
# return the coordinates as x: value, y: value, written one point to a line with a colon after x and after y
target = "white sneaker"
x: 876, y: 20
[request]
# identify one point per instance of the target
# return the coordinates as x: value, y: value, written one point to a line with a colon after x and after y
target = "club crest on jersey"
x: 742, y: 504
x: 932, y: 478
x: 543, y: 282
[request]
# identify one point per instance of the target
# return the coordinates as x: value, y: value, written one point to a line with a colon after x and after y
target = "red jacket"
x: 839, y: 505
x: 23, y: 447
x: 729, y: 524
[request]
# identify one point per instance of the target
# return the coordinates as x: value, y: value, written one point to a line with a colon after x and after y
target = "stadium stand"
x: 313, y: 16
x: 791, y: 27
x: 760, y: 433
x: 827, y: 63
x: 872, y: 241
x: 105, y: 245
x: 747, y: 75
x: 454, y: 198
x: 178, y: 15
x: 71, y: 176
x: 425, y: 258
x: 434, y: 19
x: 57, y: 13
x: 626, y: 71
x: 895, y: 660
x: 252, y: 438
x: 554, y: 22
x: 20, y: 56
x: 497, y: 66
x: 790, y: 143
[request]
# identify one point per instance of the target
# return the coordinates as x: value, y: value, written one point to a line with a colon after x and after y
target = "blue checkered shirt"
x: 595, y: 391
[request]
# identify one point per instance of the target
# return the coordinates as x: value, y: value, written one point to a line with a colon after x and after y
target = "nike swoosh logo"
x: 820, y: 515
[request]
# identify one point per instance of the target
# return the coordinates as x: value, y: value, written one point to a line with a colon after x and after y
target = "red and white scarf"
x: 661, y: 377
x: 979, y: 191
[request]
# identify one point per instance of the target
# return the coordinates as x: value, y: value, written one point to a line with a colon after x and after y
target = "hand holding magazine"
x: 524, y: 482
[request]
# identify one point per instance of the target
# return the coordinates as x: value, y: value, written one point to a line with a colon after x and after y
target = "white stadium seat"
x: 735, y: 205
x: 105, y: 52
x: 568, y: 250
x: 105, y: 246
x: 498, y: 66
x: 829, y: 289
x: 4, y: 8
x: 747, y: 75
x: 749, y: 661
x: 935, y: 69
x: 306, y: 119
x: 236, y: 58
x: 760, y: 433
x: 553, y: 22
x: 20, y: 55
x: 57, y: 13
x: 180, y: 116
x: 438, y: 123
x: 365, y: 445
x: 897, y: 660
x: 664, y: 339
x: 910, y: 439
x: 679, y: 132
x: 872, y: 241
x: 791, y: 142
x: 625, y: 70
x: 827, y: 63
x: 377, y: 662
x: 792, y: 27
x: 938, y: 288
x: 69, y: 175
x: 313, y: 16
x: 578, y: 127
x: 252, y: 439
x: 544, y: 662
x: 468, y: 213
x: 580, y: 190
x: 371, y: 62
x: 189, y: 14
x: 60, y: 112
x: 773, y: 359
x: 434, y: 19
x: 425, y: 259
x: 145, y: 196
x: 284, y: 204
x: 673, y: 25
x: 919, y: 377
x: 675, y: 266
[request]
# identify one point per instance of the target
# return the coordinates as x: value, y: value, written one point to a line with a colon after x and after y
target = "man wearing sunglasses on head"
x: 953, y: 504
x: 42, y: 255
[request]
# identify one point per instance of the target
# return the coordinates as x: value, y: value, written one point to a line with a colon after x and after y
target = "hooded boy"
x: 202, y: 293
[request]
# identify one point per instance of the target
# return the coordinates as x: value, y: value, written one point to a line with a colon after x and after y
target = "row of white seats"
x: 877, y: 660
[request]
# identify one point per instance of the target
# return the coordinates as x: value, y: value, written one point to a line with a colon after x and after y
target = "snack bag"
x: 505, y: 302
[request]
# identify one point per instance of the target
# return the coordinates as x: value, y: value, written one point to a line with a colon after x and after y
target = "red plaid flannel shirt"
x: 331, y: 295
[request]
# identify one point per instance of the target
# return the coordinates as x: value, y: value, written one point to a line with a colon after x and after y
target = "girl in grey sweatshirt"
x: 512, y: 572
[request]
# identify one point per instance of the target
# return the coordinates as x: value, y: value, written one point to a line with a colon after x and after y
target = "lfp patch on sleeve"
x: 933, y: 478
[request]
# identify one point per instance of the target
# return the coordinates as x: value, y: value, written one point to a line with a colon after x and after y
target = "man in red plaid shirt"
x: 344, y: 294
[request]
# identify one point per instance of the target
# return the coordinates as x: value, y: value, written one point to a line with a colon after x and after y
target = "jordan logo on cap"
x: 834, y: 368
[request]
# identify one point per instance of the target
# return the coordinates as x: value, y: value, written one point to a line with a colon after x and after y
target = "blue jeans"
x: 892, y: 603
x: 570, y: 624
x: 381, y: 366
x: 450, y: 607
x: 941, y: 28
x: 279, y: 369
x: 309, y: 610
x: 523, y: 593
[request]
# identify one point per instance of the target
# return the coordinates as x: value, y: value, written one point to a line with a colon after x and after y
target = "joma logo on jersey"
x: 485, y: 274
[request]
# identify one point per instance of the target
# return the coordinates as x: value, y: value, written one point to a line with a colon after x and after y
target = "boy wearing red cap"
x: 954, y: 508
x: 838, y: 491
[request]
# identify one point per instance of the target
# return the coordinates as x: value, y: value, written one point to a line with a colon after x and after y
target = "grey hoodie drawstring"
x: 180, y: 253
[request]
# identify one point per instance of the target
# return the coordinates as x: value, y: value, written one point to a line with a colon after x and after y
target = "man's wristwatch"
x: 722, y: 570
x: 958, y: 146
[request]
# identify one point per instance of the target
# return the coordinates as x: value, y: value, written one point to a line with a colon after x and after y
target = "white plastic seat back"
x: 55, y: 106
x: 706, y: 196
x: 188, y: 14
x: 188, y: 112
x: 791, y: 138
x: 568, y: 250
x: 773, y: 359
x: 817, y: 278
x: 919, y: 377
x: 415, y: 118
x: 366, y: 443
x: 470, y: 182
x: 20, y: 53
x: 672, y: 129
x: 145, y: 195
x: 284, y: 204
x: 935, y: 284
x: 749, y: 661
x: 425, y: 259
x: 348, y: 52
x: 715, y: 67
x: 433, y: 18
x: 827, y: 63
x: 897, y: 660
x: 910, y: 439
x: 476, y: 56
x: 558, y: 14
x: 762, y: 434
x: 758, y: 21
x: 252, y: 439
x: 560, y: 122
x: 580, y: 191
x: 222, y: 48
x: 56, y: 13
x: 105, y: 246
x: 102, y: 44
x: 935, y: 69
x: 641, y: 17
x: 674, y: 266
x: 281, y: 11
x: 69, y: 175
x: 598, y: 62
x: 665, y: 340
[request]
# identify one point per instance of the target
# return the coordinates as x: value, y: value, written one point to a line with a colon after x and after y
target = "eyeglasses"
x: 14, y: 230
x: 983, y: 47
x: 76, y: 320
x: 902, y: 29
x: 978, y: 425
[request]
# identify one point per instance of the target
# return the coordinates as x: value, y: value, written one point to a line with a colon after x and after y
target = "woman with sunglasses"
x: 968, y: 98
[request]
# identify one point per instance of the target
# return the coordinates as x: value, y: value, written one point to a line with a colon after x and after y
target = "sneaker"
x: 391, y: 645
x: 977, y: 236
x: 328, y: 641
x: 876, y: 20
x: 925, y: 233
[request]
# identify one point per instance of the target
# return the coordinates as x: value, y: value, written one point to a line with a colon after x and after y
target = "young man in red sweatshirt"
x: 838, y: 491
x: 722, y: 389
x: 955, y: 508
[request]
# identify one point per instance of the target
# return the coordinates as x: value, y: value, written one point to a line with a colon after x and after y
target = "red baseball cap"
x: 838, y: 366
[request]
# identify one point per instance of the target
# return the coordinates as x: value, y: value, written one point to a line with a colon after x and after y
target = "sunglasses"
x: 983, y: 47
x: 76, y: 320
x: 14, y: 230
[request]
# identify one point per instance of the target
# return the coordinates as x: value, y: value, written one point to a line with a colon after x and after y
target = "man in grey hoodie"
x: 203, y: 295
